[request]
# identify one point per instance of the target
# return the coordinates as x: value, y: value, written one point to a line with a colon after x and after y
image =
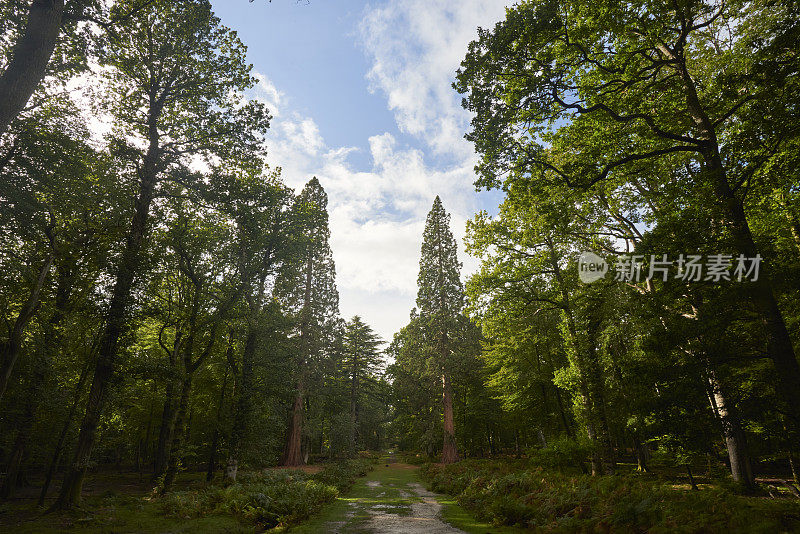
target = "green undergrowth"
x: 270, y: 498
x: 112, y: 513
x: 508, y: 492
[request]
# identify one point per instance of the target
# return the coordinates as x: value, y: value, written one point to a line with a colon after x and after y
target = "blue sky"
x: 360, y: 94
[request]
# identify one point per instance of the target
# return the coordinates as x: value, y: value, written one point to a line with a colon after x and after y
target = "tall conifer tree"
x: 362, y: 358
x: 308, y: 289
x: 440, y: 299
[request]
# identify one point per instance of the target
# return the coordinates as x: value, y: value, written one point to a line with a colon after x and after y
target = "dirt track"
x: 391, y: 501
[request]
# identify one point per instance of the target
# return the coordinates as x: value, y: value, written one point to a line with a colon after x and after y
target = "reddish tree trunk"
x: 292, y: 455
x: 449, y: 449
x: 292, y: 452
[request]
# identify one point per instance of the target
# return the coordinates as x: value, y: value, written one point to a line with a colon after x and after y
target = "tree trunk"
x: 63, y: 435
x: 148, y: 430
x: 212, y: 457
x: 641, y: 455
x: 115, y: 326
x: 597, y: 388
x: 14, y: 465
x: 30, y: 58
x: 691, y: 477
x: 169, y: 414
x: 241, y: 421
x: 563, y: 415
x: 584, y: 388
x: 735, y: 440
x: 166, y: 430
x: 779, y: 344
x: 449, y: 449
x: 10, y: 349
x: 292, y: 451
x: 42, y: 371
x: 179, y: 433
x: 353, y: 405
x: 793, y: 467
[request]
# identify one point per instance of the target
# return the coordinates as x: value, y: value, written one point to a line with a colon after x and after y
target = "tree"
x: 587, y: 96
x: 175, y: 76
x: 361, y: 362
x: 259, y: 207
x: 526, y: 250
x: 53, y: 237
x: 307, y: 288
x: 50, y: 42
x: 416, y: 390
x: 440, y: 300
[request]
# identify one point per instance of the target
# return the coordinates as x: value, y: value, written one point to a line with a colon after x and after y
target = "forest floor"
x: 391, y: 499
x: 112, y: 502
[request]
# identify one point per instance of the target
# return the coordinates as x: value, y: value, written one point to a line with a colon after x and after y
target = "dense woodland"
x: 170, y: 305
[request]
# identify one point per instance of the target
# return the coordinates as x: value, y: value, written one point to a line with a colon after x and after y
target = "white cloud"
x: 415, y: 47
x: 266, y: 91
x: 377, y: 215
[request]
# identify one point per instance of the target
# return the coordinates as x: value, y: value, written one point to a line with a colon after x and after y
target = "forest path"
x: 389, y: 500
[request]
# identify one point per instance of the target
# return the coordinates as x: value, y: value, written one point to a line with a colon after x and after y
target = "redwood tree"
x: 440, y: 299
x: 308, y: 290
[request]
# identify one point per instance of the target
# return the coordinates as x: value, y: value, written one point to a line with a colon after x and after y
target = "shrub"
x: 518, y: 493
x: 269, y: 498
x: 564, y: 453
x: 343, y: 474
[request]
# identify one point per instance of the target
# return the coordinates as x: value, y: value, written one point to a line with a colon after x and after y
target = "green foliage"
x: 562, y: 453
x: 638, y: 129
x: 342, y: 474
x: 515, y: 493
x: 269, y: 498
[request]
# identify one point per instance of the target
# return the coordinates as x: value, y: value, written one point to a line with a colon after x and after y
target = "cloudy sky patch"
x: 361, y: 98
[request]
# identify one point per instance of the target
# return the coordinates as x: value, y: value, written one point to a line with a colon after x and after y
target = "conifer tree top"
x: 439, y: 285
